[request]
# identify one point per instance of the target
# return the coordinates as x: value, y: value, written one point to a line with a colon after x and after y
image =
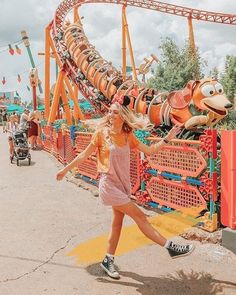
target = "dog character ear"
x: 181, y: 98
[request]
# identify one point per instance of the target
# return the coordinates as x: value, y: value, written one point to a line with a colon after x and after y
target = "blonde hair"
x: 131, y: 121
x: 33, y: 115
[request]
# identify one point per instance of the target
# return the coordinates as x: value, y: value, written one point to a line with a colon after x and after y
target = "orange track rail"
x: 69, y: 62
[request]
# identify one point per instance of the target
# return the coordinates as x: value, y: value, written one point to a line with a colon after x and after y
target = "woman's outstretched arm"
x: 154, y: 148
x: 79, y: 159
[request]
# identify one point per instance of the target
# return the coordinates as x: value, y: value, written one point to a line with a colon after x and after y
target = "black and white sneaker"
x: 108, y: 266
x: 176, y: 250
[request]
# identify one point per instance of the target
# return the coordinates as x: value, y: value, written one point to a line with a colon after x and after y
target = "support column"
x: 130, y: 46
x: 123, y: 44
x: 78, y: 113
x: 191, y: 36
x: 56, y: 97
x: 47, y: 74
x: 66, y: 106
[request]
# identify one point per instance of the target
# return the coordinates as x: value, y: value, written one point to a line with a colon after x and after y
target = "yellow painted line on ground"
x: 169, y: 225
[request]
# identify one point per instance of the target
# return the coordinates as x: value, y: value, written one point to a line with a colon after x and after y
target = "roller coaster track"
x: 84, y: 65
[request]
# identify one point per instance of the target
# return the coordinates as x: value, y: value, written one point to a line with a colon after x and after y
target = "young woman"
x: 11, y: 128
x: 113, y: 139
x: 4, y: 121
x: 33, y: 131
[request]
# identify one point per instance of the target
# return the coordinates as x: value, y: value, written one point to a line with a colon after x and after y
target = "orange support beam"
x: 47, y: 73
x: 66, y: 106
x: 191, y: 36
x: 123, y: 44
x: 76, y: 15
x: 77, y: 111
x: 129, y: 44
x: 55, y: 52
x: 56, y: 97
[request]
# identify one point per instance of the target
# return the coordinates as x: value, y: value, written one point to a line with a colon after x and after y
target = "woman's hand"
x: 60, y: 174
x: 173, y: 132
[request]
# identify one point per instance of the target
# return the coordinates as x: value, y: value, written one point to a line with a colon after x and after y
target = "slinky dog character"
x: 200, y: 103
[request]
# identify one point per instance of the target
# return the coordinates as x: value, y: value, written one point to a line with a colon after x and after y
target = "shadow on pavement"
x: 179, y: 283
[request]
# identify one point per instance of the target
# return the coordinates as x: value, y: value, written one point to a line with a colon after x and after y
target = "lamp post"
x: 33, y: 76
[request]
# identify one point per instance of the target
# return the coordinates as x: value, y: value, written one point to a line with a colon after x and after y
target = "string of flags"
x: 12, y: 48
x: 12, y: 51
x: 4, y: 81
x: 18, y: 79
x: 7, y: 94
x: 18, y: 76
x: 28, y: 88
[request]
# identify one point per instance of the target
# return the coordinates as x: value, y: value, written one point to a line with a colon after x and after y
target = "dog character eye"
x: 208, y: 90
x: 219, y: 88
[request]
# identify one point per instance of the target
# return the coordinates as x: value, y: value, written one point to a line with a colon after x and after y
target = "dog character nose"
x: 228, y: 106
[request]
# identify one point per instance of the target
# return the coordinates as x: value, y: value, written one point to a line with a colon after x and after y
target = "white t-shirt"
x: 23, y: 121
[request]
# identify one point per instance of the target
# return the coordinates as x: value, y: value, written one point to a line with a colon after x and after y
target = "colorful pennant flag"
x: 18, y: 50
x: 3, y: 80
x: 11, y: 50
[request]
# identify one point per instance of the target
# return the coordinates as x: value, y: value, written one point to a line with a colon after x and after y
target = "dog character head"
x: 203, y: 99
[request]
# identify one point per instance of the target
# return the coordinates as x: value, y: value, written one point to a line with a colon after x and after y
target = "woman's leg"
x: 30, y: 141
x: 115, y: 231
x: 4, y: 127
x: 34, y: 139
x: 140, y: 219
x: 11, y: 147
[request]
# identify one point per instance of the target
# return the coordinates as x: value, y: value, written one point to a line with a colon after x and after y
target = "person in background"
x: 113, y: 139
x: 33, y: 130
x: 4, y: 121
x: 1, y: 116
x: 24, y: 120
x: 42, y: 117
x: 133, y: 94
x: 11, y: 128
x: 15, y: 117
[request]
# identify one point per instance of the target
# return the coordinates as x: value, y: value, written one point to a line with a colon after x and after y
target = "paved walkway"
x: 43, y: 220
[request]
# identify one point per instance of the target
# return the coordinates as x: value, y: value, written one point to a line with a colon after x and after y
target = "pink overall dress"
x: 115, y: 185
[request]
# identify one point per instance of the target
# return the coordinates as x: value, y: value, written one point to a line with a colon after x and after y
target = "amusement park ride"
x: 83, y: 69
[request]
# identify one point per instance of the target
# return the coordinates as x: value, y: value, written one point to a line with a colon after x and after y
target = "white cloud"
x: 102, y: 25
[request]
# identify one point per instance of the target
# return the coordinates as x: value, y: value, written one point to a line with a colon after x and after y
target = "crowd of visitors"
x: 26, y: 122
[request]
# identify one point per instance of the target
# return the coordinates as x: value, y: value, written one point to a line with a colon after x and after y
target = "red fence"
x: 179, y: 161
x: 178, y: 176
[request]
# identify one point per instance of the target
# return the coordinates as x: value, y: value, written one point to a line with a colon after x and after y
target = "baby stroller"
x: 21, y: 147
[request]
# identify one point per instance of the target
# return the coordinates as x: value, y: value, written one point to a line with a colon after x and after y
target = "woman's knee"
x: 136, y: 213
x: 117, y: 219
x: 139, y: 217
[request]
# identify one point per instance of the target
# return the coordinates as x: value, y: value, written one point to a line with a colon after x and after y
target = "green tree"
x: 228, y: 79
x: 177, y: 67
x: 214, y: 73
